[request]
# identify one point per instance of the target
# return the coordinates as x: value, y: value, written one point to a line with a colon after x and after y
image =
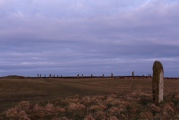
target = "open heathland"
x: 98, y: 98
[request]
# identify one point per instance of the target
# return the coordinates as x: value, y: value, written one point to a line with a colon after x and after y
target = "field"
x: 46, y: 90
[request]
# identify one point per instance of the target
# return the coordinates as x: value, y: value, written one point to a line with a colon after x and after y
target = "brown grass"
x: 123, y: 108
x: 14, y: 90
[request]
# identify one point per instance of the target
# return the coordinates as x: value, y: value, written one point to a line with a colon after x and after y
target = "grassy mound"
x: 14, y: 77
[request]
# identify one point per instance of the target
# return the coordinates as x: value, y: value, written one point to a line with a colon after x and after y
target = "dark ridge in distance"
x: 80, y: 77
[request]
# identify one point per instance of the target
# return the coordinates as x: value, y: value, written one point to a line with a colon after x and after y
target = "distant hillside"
x: 14, y: 76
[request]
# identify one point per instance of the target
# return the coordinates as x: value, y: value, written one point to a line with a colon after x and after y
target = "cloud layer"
x: 67, y: 37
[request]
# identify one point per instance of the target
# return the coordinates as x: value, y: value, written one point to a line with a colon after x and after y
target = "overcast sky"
x: 67, y: 37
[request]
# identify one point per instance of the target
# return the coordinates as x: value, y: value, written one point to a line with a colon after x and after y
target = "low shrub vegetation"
x: 134, y: 106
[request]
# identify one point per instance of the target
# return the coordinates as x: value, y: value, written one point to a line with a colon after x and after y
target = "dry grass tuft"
x: 89, y: 117
x: 12, y: 113
x: 75, y: 106
x: 146, y: 115
x: 113, y: 118
x: 24, y: 105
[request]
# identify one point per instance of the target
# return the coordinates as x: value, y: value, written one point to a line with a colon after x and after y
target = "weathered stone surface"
x: 157, y: 82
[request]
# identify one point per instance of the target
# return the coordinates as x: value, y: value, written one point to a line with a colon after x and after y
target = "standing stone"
x: 91, y: 75
x: 103, y: 75
x: 111, y: 74
x: 132, y: 73
x: 157, y: 82
x: 50, y: 76
x: 82, y: 75
x: 78, y: 76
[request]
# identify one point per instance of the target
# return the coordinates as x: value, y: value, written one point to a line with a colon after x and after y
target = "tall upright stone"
x: 103, y: 76
x: 91, y: 75
x: 50, y: 76
x: 157, y: 82
x: 132, y: 73
x: 111, y: 74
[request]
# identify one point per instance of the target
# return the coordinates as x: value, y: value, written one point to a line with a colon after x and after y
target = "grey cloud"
x: 88, y: 37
